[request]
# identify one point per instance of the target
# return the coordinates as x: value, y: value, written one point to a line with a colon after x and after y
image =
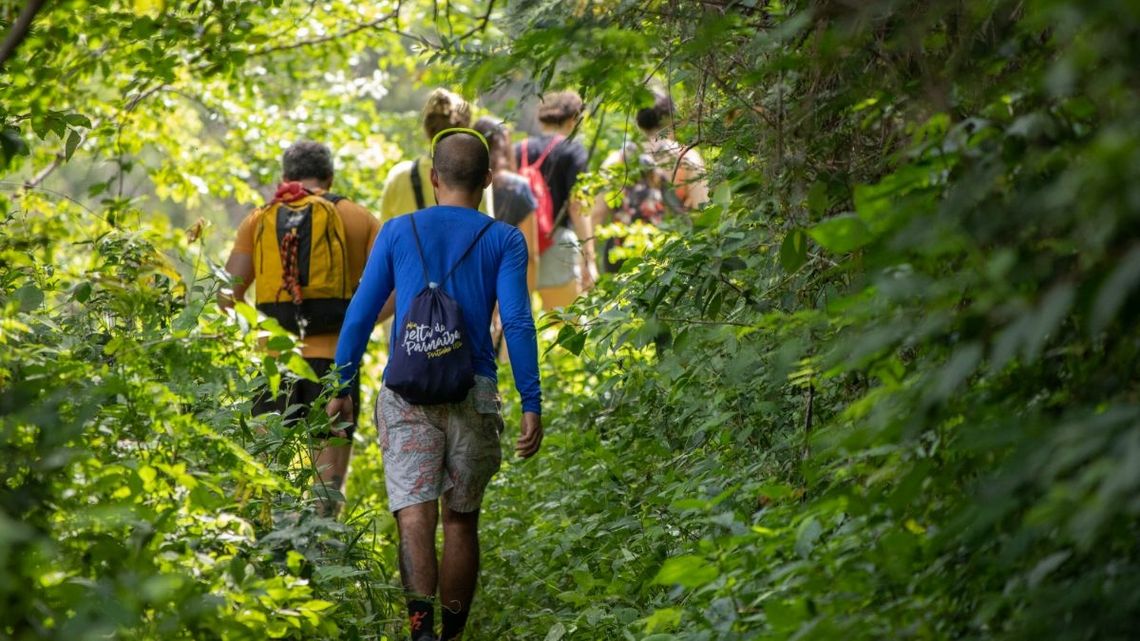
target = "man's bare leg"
x: 419, y: 568
x: 332, y: 469
x: 460, y: 569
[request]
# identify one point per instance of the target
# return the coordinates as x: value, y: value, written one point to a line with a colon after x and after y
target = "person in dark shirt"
x: 568, y: 267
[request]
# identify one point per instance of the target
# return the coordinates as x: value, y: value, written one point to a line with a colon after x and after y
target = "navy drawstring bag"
x: 432, y: 363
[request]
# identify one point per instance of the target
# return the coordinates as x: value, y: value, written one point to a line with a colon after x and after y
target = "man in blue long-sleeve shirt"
x: 447, y: 452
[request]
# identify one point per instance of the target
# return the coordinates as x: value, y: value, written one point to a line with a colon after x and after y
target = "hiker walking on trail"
x: 305, y: 251
x: 407, y: 187
x: 515, y: 203
x: 552, y: 163
x: 438, y: 414
x: 660, y: 177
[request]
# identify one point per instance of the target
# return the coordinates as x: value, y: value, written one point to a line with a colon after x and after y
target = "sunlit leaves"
x: 686, y: 571
x: 841, y: 234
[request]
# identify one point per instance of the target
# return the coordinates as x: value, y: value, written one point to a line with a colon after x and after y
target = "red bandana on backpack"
x: 291, y: 275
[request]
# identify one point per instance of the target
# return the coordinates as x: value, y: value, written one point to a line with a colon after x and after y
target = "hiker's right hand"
x: 589, y: 275
x: 531, y: 437
x: 340, y: 410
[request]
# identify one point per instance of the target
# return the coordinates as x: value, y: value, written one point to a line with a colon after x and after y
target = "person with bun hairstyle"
x: 408, y: 185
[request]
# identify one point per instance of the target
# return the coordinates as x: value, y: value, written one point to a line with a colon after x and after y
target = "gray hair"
x: 307, y: 159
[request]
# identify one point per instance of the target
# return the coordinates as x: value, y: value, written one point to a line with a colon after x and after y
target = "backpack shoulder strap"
x: 468, y: 251
x: 546, y: 152
x: 331, y: 197
x: 420, y: 249
x: 417, y: 188
x: 524, y: 157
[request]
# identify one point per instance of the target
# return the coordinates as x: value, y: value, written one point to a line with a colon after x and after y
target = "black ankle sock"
x: 453, y: 623
x: 421, y: 617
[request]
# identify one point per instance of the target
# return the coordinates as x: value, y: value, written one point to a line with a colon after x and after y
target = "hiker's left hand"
x: 340, y: 410
x: 531, y: 437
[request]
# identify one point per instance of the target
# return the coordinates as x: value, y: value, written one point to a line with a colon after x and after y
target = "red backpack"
x: 533, y: 174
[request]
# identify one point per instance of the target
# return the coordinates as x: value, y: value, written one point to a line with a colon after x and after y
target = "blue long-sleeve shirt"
x: 495, y: 269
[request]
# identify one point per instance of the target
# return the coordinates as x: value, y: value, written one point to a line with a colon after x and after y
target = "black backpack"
x: 432, y: 364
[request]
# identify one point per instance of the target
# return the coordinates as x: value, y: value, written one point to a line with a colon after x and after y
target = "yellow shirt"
x: 360, y: 229
x: 399, y: 198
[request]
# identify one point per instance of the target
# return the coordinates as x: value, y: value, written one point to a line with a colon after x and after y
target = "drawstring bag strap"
x: 469, y: 248
x: 420, y: 249
x: 417, y: 184
x: 423, y: 261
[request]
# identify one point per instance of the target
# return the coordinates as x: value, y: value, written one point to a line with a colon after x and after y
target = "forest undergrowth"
x: 883, y: 386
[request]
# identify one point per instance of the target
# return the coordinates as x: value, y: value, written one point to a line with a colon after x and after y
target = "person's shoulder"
x: 351, y: 207
x: 572, y: 148
x: 251, y: 217
x: 515, y: 183
x: 507, y: 233
x: 353, y: 211
x: 401, y: 168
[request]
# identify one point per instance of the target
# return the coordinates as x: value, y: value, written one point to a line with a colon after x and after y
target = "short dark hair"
x: 461, y: 162
x: 307, y: 160
x: 558, y: 107
x: 655, y: 117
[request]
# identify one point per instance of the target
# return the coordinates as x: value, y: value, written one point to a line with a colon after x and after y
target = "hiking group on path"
x: 466, y: 233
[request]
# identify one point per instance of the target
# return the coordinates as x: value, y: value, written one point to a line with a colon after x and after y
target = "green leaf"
x: 662, y: 619
x: 247, y: 312
x: 12, y: 144
x: 57, y: 125
x: 77, y: 120
x: 273, y: 375
x: 1116, y: 289
x: 817, y: 199
x: 963, y: 363
x: 793, y: 251
x: 688, y: 571
x: 1046, y: 566
x: 571, y: 339
x: 298, y: 365
x: 556, y: 632
x: 73, y: 140
x: 82, y: 292
x: 841, y: 234
x: 786, y: 615
x: 806, y: 536
x: 732, y: 264
x: 30, y: 297
x: 280, y: 343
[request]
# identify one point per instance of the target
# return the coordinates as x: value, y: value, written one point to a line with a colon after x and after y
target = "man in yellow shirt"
x: 307, y: 170
x: 408, y: 185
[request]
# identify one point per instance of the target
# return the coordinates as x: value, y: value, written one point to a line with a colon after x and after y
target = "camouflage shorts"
x: 440, y: 450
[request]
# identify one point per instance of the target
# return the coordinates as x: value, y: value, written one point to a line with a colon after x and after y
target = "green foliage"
x: 139, y: 499
x: 884, y: 385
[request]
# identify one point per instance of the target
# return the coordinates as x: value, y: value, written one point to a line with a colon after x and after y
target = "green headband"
x: 458, y: 130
